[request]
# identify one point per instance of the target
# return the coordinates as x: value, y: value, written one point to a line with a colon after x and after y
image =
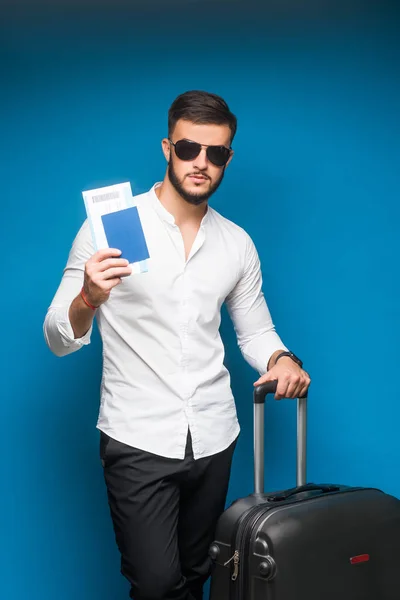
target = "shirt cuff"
x: 259, y: 351
x: 66, y: 332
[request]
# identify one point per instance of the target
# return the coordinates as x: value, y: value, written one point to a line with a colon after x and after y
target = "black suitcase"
x: 312, y: 542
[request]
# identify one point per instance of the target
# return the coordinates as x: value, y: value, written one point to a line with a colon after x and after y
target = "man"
x: 167, y: 416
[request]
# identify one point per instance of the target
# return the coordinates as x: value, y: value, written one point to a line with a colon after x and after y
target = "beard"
x: 192, y: 198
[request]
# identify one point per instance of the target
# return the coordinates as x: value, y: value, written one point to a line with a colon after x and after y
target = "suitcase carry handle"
x: 309, y: 487
x: 260, y: 393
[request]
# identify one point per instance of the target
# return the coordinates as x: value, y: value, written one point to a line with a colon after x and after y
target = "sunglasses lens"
x: 186, y: 150
x: 218, y: 155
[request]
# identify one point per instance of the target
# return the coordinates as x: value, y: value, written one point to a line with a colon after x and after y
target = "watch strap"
x: 291, y: 355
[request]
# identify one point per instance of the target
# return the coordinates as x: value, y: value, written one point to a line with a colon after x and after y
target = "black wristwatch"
x: 295, y: 358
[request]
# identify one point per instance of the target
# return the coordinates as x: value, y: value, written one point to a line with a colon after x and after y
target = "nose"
x: 201, y: 161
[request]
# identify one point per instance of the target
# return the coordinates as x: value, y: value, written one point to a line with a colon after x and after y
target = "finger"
x: 115, y: 272
x: 303, y: 392
x: 102, y: 284
x: 294, y: 386
x: 111, y: 283
x: 106, y: 253
x: 264, y: 378
x: 305, y: 387
x: 111, y: 262
x: 282, y: 387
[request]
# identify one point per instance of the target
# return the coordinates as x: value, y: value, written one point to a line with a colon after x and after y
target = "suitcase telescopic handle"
x: 260, y: 394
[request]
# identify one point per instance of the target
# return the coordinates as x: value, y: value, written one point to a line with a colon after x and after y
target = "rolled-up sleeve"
x: 57, y: 328
x: 247, y: 307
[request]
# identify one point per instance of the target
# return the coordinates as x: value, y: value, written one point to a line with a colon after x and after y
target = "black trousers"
x: 164, y: 513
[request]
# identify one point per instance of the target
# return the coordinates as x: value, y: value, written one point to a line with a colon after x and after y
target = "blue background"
x: 315, y: 181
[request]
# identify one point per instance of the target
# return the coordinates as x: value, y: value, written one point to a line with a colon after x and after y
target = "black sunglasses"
x: 187, y: 150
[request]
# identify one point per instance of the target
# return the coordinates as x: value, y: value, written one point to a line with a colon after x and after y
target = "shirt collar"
x: 162, y: 211
x: 159, y: 207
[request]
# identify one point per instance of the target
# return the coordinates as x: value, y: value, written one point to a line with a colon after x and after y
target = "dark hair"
x: 201, y: 108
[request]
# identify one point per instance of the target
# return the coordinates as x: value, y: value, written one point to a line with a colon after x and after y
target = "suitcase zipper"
x: 235, y: 558
x: 244, y: 545
x: 239, y: 536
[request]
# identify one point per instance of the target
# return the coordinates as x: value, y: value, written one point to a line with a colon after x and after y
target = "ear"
x: 166, y: 148
x: 230, y: 158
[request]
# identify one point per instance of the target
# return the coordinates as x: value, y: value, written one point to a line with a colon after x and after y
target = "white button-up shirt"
x: 163, y: 356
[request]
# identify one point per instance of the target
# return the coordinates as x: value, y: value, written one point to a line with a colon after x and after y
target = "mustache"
x: 198, y: 173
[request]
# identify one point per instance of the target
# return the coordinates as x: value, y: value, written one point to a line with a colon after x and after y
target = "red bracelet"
x: 86, y: 301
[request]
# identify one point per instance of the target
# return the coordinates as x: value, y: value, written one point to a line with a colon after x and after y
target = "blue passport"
x: 124, y: 231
